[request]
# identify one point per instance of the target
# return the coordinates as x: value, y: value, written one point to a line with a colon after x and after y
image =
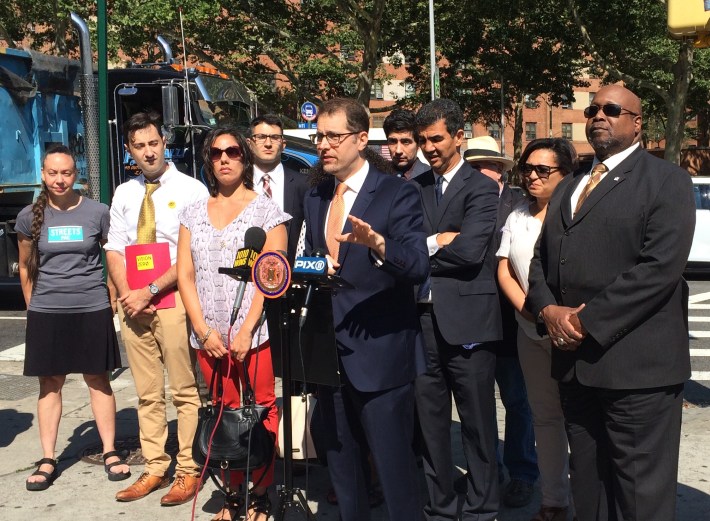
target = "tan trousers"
x: 155, y: 344
x: 548, y: 419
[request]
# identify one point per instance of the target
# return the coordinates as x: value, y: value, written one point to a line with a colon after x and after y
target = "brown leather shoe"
x: 183, y: 490
x: 143, y: 486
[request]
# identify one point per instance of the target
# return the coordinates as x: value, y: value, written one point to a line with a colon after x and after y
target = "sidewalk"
x: 83, y: 492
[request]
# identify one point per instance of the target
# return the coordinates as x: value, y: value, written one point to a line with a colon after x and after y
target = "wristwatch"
x: 154, y: 290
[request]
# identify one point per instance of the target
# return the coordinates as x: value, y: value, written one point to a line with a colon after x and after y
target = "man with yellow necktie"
x: 144, y: 210
x: 607, y: 281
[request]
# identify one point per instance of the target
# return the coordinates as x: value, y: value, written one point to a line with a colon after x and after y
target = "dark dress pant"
x: 383, y: 420
x: 624, y: 448
x: 469, y: 375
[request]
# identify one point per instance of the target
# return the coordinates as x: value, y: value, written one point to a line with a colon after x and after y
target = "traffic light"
x: 690, y: 18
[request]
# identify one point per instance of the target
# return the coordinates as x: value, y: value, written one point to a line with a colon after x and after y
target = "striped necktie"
x: 266, y: 185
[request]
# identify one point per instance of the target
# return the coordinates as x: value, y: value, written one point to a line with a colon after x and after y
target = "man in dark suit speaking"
x: 460, y: 318
x: 371, y: 225
x: 606, y: 279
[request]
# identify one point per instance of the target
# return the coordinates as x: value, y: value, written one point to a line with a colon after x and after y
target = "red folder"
x: 144, y: 264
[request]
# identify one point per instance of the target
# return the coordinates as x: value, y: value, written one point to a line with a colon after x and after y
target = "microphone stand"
x: 289, y: 496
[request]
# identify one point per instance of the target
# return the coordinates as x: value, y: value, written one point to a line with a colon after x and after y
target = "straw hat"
x: 485, y: 148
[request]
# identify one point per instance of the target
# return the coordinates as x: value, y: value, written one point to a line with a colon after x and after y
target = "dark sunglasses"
x: 612, y: 110
x: 233, y: 152
x: 542, y: 171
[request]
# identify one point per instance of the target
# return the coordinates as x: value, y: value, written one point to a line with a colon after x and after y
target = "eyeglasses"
x: 260, y: 138
x: 233, y: 152
x: 612, y: 110
x: 334, y: 139
x: 542, y: 171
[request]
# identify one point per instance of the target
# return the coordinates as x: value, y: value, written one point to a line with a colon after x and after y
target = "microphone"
x: 311, y: 269
x: 254, y: 240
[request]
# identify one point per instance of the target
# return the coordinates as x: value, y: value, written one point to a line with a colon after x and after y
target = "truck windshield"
x: 225, y: 102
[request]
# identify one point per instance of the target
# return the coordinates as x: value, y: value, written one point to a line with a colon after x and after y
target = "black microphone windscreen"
x: 255, y: 238
x: 319, y: 252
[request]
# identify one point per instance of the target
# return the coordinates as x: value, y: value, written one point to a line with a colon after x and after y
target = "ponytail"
x: 37, y: 221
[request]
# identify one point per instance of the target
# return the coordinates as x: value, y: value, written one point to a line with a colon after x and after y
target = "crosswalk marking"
x: 700, y: 376
x: 699, y: 334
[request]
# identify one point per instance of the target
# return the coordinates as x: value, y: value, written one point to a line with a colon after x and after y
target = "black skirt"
x: 65, y: 343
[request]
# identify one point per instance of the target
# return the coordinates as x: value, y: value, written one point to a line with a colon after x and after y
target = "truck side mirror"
x: 171, y: 109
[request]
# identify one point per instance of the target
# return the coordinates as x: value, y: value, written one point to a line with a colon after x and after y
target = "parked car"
x: 699, y: 258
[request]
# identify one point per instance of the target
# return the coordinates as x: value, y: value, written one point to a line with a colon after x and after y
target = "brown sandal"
x: 49, y: 477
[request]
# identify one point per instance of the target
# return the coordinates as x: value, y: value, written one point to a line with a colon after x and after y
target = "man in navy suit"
x: 371, y: 224
x: 460, y: 317
x: 287, y: 187
x: 607, y: 281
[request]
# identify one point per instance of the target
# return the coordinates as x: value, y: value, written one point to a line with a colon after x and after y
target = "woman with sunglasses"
x: 543, y: 164
x: 211, y: 233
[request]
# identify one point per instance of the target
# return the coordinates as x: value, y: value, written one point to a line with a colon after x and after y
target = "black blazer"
x: 622, y: 255
x: 377, y: 328
x: 463, y: 282
x: 295, y: 188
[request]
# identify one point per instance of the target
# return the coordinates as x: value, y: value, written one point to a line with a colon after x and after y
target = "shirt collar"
x: 615, y: 160
x: 356, y: 180
x: 448, y: 176
x: 275, y: 174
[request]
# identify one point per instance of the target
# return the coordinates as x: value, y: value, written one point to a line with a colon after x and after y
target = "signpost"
x: 309, y: 111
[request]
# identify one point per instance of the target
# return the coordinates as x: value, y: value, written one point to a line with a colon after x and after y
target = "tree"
x: 628, y: 41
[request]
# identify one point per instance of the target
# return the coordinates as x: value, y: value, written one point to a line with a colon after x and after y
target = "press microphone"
x: 310, y: 269
x: 254, y: 240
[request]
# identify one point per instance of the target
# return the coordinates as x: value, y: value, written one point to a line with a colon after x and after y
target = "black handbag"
x: 239, y: 440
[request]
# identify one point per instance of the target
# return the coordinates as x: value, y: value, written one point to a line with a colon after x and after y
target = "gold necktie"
x: 335, y: 220
x: 146, y: 218
x: 594, y: 179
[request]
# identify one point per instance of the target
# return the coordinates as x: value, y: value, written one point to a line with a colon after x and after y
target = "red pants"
x: 264, y: 394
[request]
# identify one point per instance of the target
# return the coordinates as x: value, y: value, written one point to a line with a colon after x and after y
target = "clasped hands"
x: 240, y: 345
x: 137, y: 301
x: 563, y: 325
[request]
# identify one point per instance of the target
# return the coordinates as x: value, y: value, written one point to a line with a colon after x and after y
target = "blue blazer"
x: 378, y: 334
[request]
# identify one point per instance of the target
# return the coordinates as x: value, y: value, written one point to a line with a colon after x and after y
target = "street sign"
x: 309, y: 111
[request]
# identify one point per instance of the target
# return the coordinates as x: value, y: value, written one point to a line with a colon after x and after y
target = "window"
x: 376, y: 90
x: 530, y: 131
x: 409, y: 89
x: 378, y: 120
x: 494, y: 130
x: 530, y: 101
x: 566, y: 104
x: 567, y: 131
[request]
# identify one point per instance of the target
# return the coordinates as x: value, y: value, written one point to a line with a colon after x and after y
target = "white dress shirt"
x: 354, y: 183
x: 276, y: 183
x: 176, y: 191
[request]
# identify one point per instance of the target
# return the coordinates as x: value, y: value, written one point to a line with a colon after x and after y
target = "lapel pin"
x: 616, y: 179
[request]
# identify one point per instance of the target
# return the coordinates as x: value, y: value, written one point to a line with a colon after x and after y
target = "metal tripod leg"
x: 292, y: 499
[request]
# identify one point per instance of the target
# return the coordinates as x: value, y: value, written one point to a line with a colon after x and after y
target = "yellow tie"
x: 146, y: 218
x: 335, y: 220
x: 594, y: 179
